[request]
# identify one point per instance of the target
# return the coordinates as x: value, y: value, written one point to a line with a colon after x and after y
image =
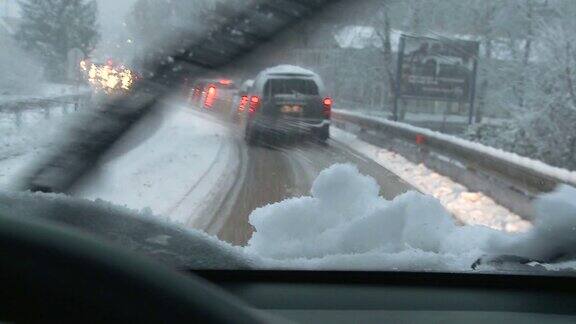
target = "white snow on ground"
x: 171, y: 172
x: 12, y: 166
x: 468, y: 207
x: 174, y: 172
x: 554, y: 172
x: 344, y: 224
x: 34, y: 133
x: 22, y: 144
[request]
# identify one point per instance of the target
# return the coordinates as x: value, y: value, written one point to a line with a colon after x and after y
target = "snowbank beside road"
x: 472, y: 208
x: 172, y: 172
x: 37, y: 128
x: 22, y: 144
x: 563, y: 175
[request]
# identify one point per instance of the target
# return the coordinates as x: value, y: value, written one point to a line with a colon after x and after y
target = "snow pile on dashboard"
x: 553, y: 236
x: 345, y: 224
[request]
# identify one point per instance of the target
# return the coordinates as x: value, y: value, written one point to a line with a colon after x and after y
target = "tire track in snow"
x: 225, y: 207
x: 228, y: 168
x: 195, y: 185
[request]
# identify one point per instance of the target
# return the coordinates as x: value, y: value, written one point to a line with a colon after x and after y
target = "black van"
x: 287, y: 100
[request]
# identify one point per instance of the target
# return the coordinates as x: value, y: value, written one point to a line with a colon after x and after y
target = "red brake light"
x: 225, y: 82
x: 210, y: 97
x: 243, y: 102
x: 327, y: 103
x: 254, y: 103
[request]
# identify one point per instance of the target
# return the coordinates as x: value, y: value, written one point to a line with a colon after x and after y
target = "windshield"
x: 398, y: 135
x: 290, y: 86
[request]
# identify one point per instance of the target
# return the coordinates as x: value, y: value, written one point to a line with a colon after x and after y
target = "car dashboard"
x: 402, y: 297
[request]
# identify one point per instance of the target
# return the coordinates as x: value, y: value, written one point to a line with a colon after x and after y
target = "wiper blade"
x: 501, y: 260
x: 517, y: 264
x: 222, y: 47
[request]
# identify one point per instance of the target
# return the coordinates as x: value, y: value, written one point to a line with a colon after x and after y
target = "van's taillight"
x: 210, y: 97
x: 327, y: 107
x: 254, y: 103
x: 243, y: 103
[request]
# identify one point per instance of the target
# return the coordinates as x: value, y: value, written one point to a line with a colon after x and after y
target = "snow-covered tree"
x: 20, y: 72
x: 50, y: 28
x: 526, y: 74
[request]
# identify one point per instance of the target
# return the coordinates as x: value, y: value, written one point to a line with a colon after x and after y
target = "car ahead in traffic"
x: 241, y: 98
x: 285, y: 101
x: 213, y: 94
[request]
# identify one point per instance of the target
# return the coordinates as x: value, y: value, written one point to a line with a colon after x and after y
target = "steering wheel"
x: 51, y: 273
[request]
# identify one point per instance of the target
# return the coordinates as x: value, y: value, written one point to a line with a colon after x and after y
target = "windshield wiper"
x: 516, y: 264
x: 501, y: 260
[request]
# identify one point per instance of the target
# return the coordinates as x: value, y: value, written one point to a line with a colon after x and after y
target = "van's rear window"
x: 290, y: 86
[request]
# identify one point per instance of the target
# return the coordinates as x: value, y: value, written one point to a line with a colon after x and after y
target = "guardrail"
x: 511, y: 180
x: 15, y: 108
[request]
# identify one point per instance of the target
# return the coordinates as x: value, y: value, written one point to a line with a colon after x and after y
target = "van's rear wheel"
x: 251, y: 136
x: 324, y: 133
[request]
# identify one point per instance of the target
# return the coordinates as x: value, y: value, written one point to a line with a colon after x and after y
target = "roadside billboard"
x: 436, y: 69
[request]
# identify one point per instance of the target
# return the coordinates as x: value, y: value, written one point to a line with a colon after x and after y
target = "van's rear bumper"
x: 291, y: 126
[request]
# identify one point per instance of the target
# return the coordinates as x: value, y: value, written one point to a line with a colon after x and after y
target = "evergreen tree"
x: 51, y: 28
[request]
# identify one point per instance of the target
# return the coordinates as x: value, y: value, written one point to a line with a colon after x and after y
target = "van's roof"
x: 248, y: 83
x: 286, y: 69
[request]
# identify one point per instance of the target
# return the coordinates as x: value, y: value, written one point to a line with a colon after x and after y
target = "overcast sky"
x: 112, y: 13
x: 110, y: 10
